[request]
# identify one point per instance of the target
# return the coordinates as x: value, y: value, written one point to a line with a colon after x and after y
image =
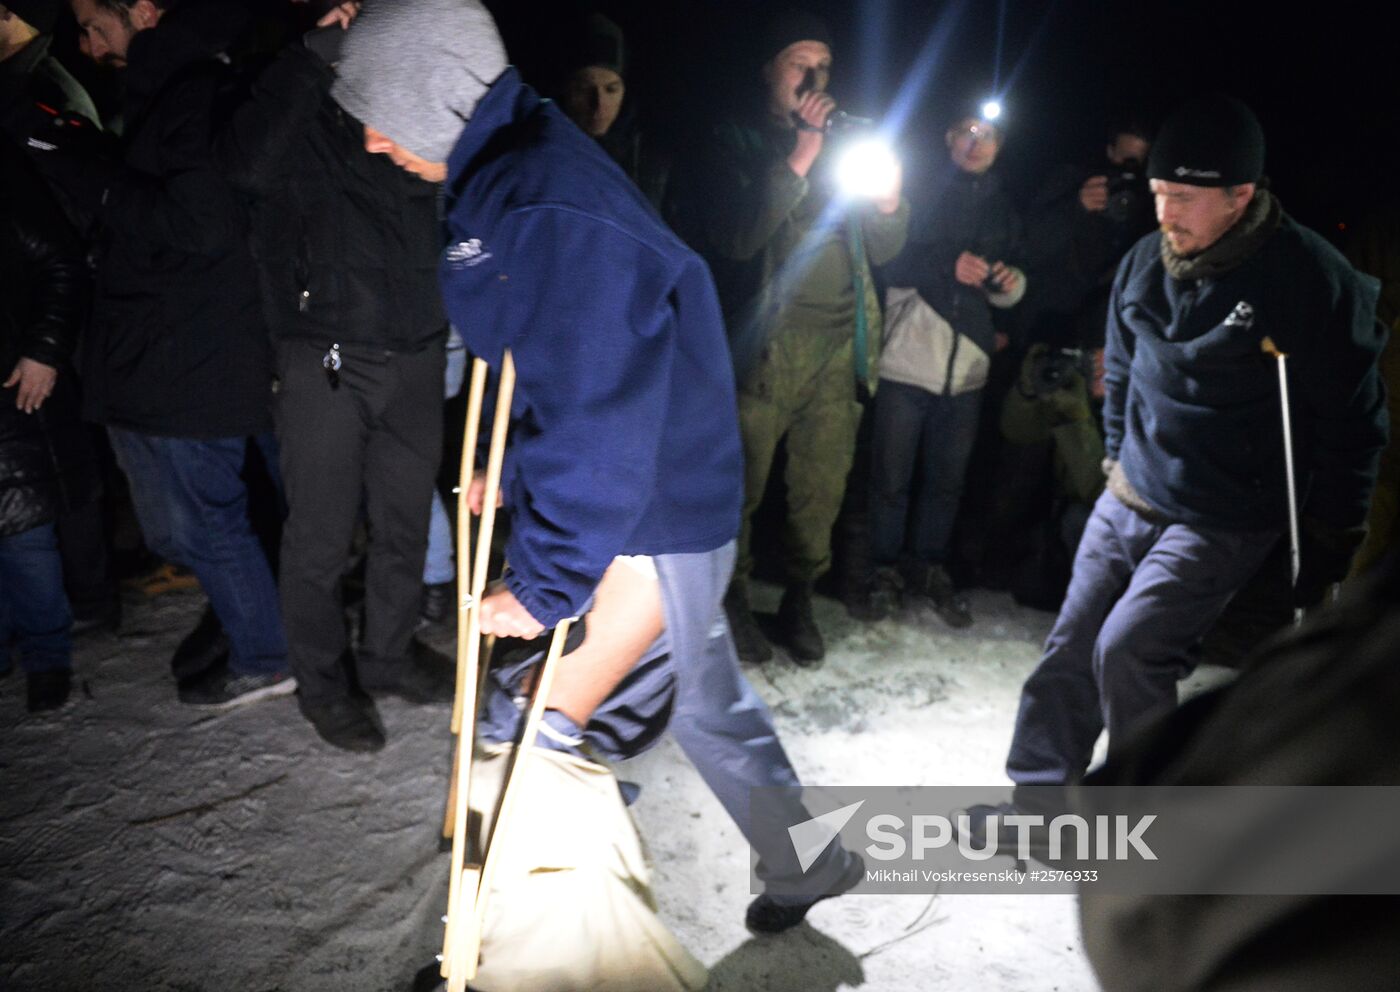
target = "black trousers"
x: 371, y: 440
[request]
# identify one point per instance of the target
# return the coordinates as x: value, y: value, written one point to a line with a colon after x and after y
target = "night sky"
x: 1323, y: 78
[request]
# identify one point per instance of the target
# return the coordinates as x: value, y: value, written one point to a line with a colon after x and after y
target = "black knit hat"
x: 1213, y: 141
x: 599, y: 43
x: 38, y: 14
x: 788, y: 27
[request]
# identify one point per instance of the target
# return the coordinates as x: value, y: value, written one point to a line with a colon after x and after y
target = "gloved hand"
x: 1325, y: 554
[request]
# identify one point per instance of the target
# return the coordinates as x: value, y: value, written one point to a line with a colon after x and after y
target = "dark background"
x: 1321, y: 77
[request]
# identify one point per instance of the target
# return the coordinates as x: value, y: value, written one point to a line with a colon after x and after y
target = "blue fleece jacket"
x: 624, y: 436
x: 1191, y: 408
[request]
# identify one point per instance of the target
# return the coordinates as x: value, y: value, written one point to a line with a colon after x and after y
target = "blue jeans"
x: 437, y: 566
x: 192, y: 504
x: 923, y: 436
x: 33, y: 607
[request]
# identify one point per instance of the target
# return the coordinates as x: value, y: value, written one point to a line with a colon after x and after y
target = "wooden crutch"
x: 464, y: 928
x: 468, y: 884
x: 471, y: 586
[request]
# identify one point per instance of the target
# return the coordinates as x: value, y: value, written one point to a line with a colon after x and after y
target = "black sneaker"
x: 749, y: 642
x: 344, y: 723
x: 424, y: 676
x: 437, y: 602
x: 799, y: 627
x: 221, y: 689
x: 49, y: 690
x: 765, y: 915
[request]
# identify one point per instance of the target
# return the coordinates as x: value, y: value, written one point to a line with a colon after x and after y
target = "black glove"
x: 1325, y: 554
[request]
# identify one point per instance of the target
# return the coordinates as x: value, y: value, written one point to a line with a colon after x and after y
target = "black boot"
x: 799, y: 628
x: 48, y: 690
x: 934, y: 582
x: 877, y: 598
x: 344, y: 722
x: 422, y: 676
x: 437, y: 603
x: 749, y: 641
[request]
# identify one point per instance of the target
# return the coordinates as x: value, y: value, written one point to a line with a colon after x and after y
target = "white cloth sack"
x: 571, y: 908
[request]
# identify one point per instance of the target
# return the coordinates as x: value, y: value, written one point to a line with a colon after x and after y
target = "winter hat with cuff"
x: 414, y: 70
x: 41, y: 15
x: 1213, y: 141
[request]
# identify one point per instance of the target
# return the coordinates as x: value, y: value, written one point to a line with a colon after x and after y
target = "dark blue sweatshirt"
x: 625, y: 435
x: 1191, y: 408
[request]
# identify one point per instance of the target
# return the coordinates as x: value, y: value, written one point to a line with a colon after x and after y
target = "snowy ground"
x: 145, y: 845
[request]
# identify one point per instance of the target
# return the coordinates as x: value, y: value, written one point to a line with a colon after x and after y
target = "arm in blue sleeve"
x: 1117, y: 361
x: 591, y: 332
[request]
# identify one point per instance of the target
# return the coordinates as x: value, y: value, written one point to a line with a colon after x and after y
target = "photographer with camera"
x: 1077, y: 230
x: 956, y: 268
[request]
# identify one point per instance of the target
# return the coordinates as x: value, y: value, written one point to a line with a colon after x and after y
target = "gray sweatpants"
x: 689, y: 682
x: 1141, y: 596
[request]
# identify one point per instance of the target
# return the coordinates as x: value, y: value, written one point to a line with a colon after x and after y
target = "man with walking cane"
x: 622, y: 478
x: 1199, y: 488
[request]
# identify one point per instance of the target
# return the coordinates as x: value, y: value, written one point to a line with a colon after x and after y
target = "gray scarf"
x: 1261, y: 219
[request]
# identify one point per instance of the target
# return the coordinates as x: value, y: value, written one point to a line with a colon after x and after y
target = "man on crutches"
x: 622, y: 476
x: 1200, y: 487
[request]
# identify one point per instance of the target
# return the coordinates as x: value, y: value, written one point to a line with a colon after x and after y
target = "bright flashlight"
x: 868, y: 169
x: 991, y: 110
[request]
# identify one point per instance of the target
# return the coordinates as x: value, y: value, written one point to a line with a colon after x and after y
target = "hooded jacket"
x: 625, y: 429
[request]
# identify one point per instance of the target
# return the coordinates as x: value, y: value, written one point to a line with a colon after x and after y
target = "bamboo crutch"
x: 471, y: 586
x: 468, y: 884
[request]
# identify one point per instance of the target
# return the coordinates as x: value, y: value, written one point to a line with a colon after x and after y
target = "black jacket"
x: 42, y: 463
x: 1191, y: 407
x: 346, y: 242
x: 959, y: 212
x: 177, y: 346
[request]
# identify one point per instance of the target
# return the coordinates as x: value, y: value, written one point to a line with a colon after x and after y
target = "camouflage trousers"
x: 803, y: 390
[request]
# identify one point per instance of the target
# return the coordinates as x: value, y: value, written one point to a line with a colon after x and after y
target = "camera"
x: 992, y: 284
x: 1127, y: 193
x: 1050, y: 369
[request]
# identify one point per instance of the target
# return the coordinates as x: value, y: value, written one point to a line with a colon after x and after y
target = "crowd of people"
x: 261, y: 276
x: 229, y: 278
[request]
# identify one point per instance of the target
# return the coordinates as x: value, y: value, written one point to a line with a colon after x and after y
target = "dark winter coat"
x: 1191, y: 411
x: 1314, y: 708
x: 42, y: 468
x: 346, y: 242
x: 958, y: 212
x: 177, y: 345
x: 625, y: 427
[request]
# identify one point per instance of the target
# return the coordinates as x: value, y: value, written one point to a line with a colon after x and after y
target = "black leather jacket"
x: 42, y: 455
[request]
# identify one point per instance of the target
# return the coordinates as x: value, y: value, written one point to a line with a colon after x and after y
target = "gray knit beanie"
x: 414, y: 70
